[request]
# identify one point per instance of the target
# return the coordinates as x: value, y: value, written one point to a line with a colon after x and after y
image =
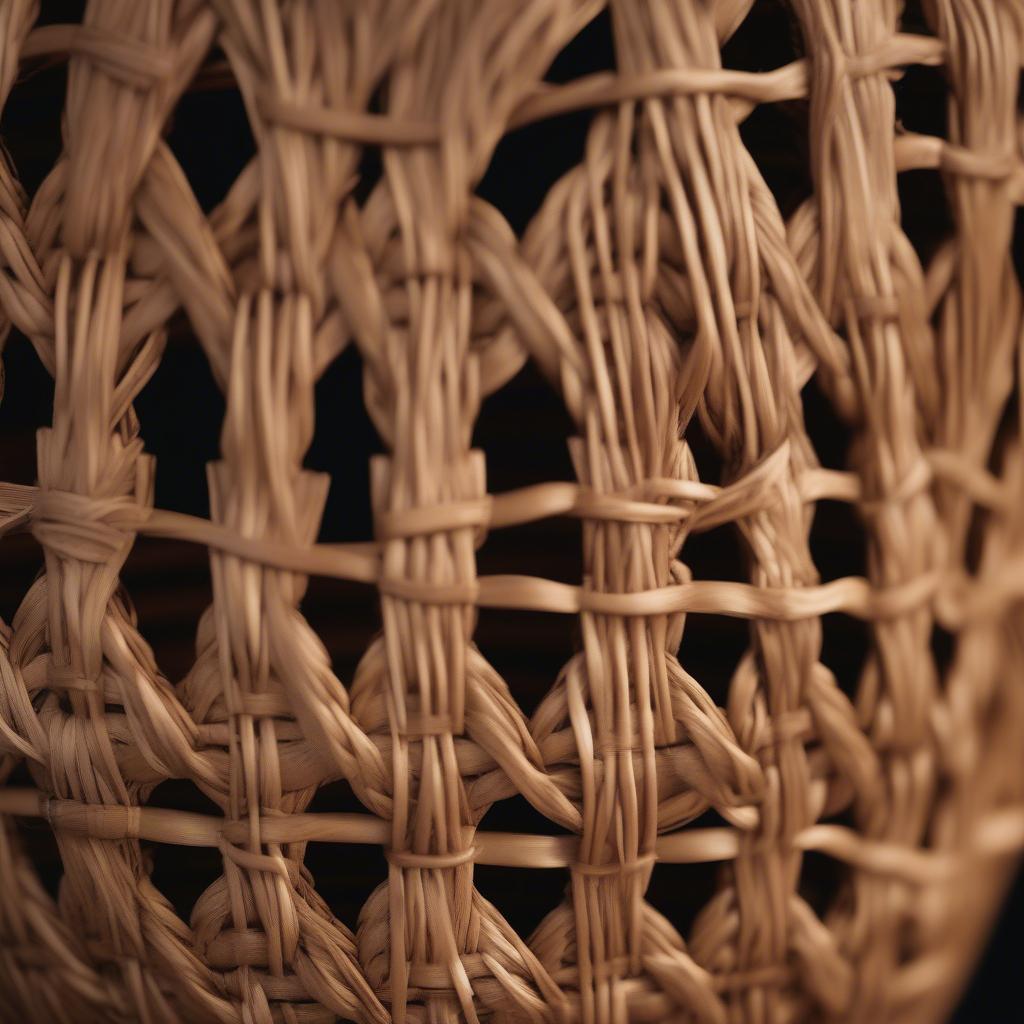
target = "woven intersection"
x: 661, y: 293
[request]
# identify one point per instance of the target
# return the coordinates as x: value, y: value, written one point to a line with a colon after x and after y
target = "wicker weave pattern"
x: 658, y: 289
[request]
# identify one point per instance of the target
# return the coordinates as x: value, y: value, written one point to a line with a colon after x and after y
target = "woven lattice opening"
x: 579, y: 578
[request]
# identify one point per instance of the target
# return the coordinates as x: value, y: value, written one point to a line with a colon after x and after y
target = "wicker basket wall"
x: 683, y: 305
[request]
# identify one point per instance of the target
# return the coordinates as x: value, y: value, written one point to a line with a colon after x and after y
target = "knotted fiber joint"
x: 321, y: 970
x: 644, y: 658
x: 96, y: 488
x: 437, y: 550
x: 622, y: 696
x: 428, y: 921
x: 258, y: 662
x: 459, y: 966
x: 453, y: 952
x: 85, y: 539
x: 671, y: 984
x: 418, y: 673
x: 248, y: 674
x: 97, y: 527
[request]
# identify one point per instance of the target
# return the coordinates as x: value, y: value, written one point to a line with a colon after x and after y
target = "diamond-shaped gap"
x: 61, y: 12
x: 922, y: 94
x: 345, y: 874
x: 711, y: 650
x: 344, y: 439
x: 822, y: 881
x: 168, y: 584
x: 838, y: 541
x: 38, y: 843
x: 517, y: 814
x: 31, y: 131
x: 718, y: 553
x: 523, y: 896
x: 921, y: 90
x: 830, y: 434
x: 344, y: 614
x: 846, y: 643
x: 523, y: 430
x: 715, y: 554
x: 924, y: 211
x: 775, y: 133
x: 209, y: 133
x: 529, y: 160
x: 838, y: 547
x: 1007, y: 434
x: 528, y: 649
x: 26, y: 404
x: 183, y: 873
x: 1018, y: 227
x: 31, y: 119
x: 713, y: 645
x: 681, y: 891
x: 180, y: 412
x: 39, y: 848
x: 943, y: 646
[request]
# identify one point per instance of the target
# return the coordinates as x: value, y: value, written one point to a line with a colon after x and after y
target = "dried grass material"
x: 658, y: 289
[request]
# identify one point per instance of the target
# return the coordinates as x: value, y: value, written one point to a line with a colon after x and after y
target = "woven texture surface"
x: 663, y: 296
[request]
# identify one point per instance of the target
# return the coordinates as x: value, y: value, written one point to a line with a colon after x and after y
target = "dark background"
x: 521, y: 429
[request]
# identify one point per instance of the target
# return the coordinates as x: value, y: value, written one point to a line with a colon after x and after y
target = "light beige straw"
x: 661, y: 293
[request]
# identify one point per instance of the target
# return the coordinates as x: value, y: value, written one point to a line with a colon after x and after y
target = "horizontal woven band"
x: 1000, y: 834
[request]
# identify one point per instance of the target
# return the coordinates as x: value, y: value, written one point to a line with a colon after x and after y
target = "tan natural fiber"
x: 660, y: 292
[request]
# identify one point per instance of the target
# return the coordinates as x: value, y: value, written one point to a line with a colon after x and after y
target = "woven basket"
x: 673, y: 309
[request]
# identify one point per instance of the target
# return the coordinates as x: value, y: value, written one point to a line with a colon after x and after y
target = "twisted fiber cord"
x: 257, y: 656
x: 253, y: 283
x: 868, y: 280
x: 93, y: 452
x: 422, y: 679
x: 625, y: 693
x: 981, y: 298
